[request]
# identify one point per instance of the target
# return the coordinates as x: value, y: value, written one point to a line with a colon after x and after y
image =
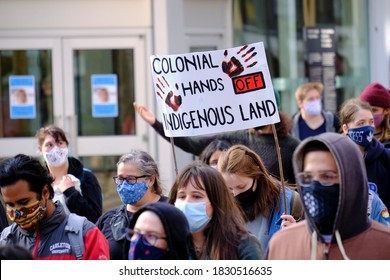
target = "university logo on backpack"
x: 73, y: 228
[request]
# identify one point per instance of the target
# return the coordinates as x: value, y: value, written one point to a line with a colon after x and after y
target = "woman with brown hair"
x: 358, y: 123
x: 76, y: 187
x: 259, y: 195
x: 216, y: 222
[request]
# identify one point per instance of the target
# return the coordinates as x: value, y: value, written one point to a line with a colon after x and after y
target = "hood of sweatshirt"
x: 176, y: 228
x: 351, y: 218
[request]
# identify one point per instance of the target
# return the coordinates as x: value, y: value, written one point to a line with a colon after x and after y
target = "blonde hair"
x: 303, y: 89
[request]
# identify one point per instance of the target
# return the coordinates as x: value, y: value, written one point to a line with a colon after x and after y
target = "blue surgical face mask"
x: 132, y: 193
x: 139, y: 251
x: 313, y: 108
x: 195, y: 213
x: 361, y: 135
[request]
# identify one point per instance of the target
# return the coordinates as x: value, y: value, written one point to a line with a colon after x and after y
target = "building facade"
x: 65, y: 50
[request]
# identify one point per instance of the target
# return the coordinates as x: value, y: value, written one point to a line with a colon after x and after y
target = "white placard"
x: 217, y: 91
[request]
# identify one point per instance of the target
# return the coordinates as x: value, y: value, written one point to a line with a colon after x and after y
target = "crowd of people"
x: 230, y: 204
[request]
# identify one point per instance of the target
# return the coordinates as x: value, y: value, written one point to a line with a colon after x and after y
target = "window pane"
x: 280, y: 24
x: 92, y: 62
x: 37, y: 65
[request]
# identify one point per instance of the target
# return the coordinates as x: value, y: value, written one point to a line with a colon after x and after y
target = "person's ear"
x: 46, y: 192
x: 300, y: 104
x: 151, y: 179
x: 345, y: 129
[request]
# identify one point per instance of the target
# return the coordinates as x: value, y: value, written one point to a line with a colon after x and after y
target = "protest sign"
x: 217, y: 91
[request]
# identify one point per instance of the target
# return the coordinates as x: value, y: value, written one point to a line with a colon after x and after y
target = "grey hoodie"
x: 355, y: 236
x: 351, y: 217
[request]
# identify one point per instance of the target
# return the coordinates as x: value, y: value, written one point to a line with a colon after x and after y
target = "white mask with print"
x: 57, y: 156
x: 313, y: 108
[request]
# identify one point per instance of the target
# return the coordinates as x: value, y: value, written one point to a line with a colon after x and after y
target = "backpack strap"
x: 330, y: 119
x: 74, y: 228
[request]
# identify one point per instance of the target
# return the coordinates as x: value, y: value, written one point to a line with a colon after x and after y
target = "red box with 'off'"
x: 247, y: 83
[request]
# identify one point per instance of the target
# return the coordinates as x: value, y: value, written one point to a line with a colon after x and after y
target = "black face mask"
x: 246, y: 199
x: 322, y: 203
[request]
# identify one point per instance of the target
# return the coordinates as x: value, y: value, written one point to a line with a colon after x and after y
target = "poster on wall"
x: 216, y: 91
x: 321, y: 62
x: 104, y: 95
x: 22, y: 97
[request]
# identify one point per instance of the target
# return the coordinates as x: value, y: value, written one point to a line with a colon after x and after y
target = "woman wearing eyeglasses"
x: 159, y: 231
x: 138, y: 183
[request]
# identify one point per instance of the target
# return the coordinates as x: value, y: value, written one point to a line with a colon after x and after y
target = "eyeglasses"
x: 149, y: 239
x: 131, y: 179
x: 326, y: 178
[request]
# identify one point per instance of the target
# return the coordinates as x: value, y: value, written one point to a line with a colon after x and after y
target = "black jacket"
x: 263, y: 145
x: 90, y: 202
x: 113, y: 224
x: 377, y: 161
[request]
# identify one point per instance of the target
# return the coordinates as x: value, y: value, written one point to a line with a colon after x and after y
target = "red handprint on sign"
x: 234, y: 67
x: 172, y: 100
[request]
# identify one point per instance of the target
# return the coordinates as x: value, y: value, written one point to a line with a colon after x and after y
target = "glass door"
x: 102, y: 77
x: 86, y: 86
x: 30, y: 92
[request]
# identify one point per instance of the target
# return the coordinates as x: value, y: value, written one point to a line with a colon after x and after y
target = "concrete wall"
x: 33, y: 14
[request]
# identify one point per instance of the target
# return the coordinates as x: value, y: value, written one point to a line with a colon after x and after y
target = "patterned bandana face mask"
x: 361, y: 135
x: 132, y: 193
x: 27, y: 217
x: 57, y: 156
x: 322, y: 203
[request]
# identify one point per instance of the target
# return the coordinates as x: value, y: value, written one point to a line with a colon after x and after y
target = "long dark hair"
x: 215, y: 145
x: 227, y: 226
